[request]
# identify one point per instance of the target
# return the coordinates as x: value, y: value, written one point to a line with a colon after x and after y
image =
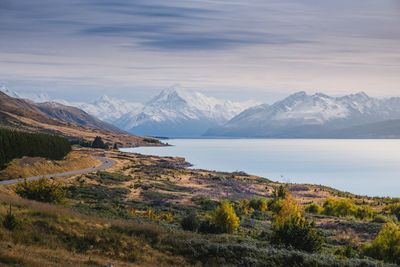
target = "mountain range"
x: 315, y: 116
x: 177, y: 112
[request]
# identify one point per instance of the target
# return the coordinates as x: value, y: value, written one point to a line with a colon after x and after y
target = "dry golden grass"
x: 49, y: 235
x: 27, y: 167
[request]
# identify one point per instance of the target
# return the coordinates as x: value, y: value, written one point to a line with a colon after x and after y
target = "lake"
x: 366, y: 167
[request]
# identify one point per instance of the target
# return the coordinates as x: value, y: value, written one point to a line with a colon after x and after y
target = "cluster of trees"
x: 97, y: 143
x: 17, y: 144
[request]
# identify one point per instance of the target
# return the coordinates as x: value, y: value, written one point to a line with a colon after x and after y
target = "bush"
x: 280, y: 191
x: 292, y: 229
x: 381, y: 219
x: 44, y: 190
x: 299, y: 233
x: 10, y: 221
x: 314, y: 208
x: 190, y: 222
x: 259, y: 204
x: 346, y: 207
x: 209, y: 227
x: 243, y: 207
x: 225, y: 218
x: 394, y: 209
x: 386, y: 246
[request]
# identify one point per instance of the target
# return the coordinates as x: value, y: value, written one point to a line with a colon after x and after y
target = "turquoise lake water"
x: 367, y: 167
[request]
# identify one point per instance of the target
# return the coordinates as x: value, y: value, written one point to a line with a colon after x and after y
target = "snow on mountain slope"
x: 180, y: 112
x: 8, y: 92
x: 109, y: 109
x: 301, y: 114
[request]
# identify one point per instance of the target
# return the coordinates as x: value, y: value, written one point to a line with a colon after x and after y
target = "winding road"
x: 105, y: 164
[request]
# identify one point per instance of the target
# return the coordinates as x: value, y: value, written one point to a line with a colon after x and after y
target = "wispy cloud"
x: 258, y: 45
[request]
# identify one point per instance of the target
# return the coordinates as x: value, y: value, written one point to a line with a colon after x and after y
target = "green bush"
x: 393, y: 209
x: 292, y: 229
x: 381, y: 219
x: 209, y: 227
x: 225, y: 217
x: 386, y: 246
x: 280, y: 191
x: 314, y: 208
x: 10, y: 221
x: 44, y: 190
x: 259, y: 204
x: 190, y: 222
x: 346, y: 207
x: 299, y: 233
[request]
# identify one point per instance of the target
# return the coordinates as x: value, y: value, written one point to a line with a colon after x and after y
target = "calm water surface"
x: 368, y: 167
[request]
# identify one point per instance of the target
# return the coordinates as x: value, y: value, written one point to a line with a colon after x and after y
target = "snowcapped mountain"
x: 109, y: 109
x: 180, y: 112
x: 8, y: 92
x: 37, y: 98
x: 303, y: 115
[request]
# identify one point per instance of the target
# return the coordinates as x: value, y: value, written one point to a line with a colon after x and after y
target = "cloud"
x: 220, y: 44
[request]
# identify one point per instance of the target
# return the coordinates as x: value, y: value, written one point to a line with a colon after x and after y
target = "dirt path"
x: 105, y: 163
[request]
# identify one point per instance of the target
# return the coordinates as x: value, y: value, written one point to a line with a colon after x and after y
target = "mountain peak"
x: 8, y: 92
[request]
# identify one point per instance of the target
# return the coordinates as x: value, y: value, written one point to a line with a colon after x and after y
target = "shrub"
x: 244, y: 208
x: 393, y: 209
x: 280, y: 191
x: 225, y: 218
x: 299, y: 233
x: 346, y: 207
x: 314, y: 208
x: 10, y: 221
x: 339, y: 207
x: 292, y: 229
x: 380, y: 218
x: 44, y: 190
x: 259, y: 204
x: 209, y: 227
x: 190, y: 222
x: 386, y: 246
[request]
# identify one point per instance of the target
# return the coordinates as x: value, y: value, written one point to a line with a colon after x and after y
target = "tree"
x: 98, y: 143
x: 225, y: 217
x: 291, y: 228
x: 17, y: 144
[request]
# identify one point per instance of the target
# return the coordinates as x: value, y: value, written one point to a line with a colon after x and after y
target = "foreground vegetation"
x: 154, y: 211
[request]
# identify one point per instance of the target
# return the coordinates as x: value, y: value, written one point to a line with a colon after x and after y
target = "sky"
x: 234, y: 49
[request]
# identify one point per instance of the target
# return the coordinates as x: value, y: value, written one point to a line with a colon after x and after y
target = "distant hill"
x: 63, y: 120
x: 74, y: 115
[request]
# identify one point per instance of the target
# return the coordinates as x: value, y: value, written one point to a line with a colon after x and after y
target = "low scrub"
x: 292, y: 229
x: 393, y: 209
x: 44, y: 190
x: 225, y: 217
x: 314, y: 208
x: 386, y: 246
x: 346, y: 207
